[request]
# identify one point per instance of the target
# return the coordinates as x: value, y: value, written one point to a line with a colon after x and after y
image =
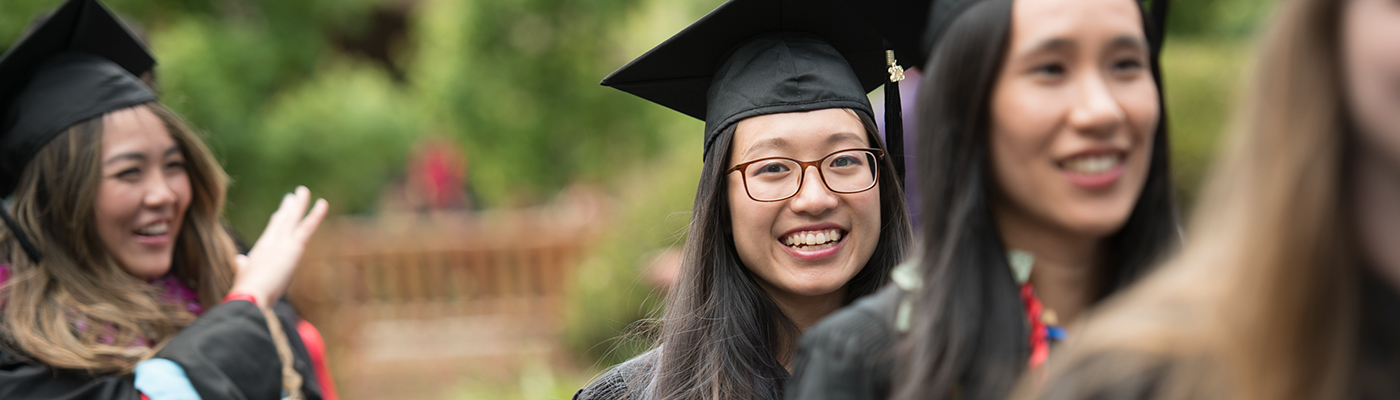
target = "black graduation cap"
x: 903, y: 24
x: 755, y: 57
x: 78, y: 64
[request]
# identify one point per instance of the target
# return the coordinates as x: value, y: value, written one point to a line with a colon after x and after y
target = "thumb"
x: 240, y: 262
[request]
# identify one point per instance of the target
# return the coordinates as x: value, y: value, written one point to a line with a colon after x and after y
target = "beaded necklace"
x: 1045, y: 325
x: 1045, y: 332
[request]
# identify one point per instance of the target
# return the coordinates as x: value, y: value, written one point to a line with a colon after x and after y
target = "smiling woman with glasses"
x: 798, y: 211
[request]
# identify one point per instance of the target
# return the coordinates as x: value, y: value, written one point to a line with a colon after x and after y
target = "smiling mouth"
x: 156, y: 229
x: 813, y: 240
x: 1092, y: 164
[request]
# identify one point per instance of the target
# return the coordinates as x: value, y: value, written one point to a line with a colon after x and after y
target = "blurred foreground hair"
x: 1261, y: 303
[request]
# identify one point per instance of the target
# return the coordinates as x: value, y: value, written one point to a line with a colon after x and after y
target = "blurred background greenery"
x: 335, y: 94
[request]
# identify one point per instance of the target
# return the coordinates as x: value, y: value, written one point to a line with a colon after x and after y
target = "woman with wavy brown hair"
x: 1287, y: 287
x: 117, y: 278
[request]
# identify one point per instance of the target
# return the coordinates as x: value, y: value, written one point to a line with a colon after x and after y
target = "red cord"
x: 316, y: 348
x: 241, y: 296
x: 1040, y: 348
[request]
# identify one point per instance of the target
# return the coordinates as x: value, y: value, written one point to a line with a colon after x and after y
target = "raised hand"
x: 267, y: 270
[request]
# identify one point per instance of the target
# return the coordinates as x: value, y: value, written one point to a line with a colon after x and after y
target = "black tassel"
x: 1159, y: 18
x: 894, y: 117
x: 23, y: 239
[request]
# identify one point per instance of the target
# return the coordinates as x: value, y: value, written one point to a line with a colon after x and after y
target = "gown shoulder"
x: 625, y: 381
x: 227, y: 353
x: 848, y: 354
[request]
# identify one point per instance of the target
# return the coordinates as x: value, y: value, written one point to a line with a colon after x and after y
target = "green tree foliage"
x: 514, y: 82
x: 518, y: 83
x: 1216, y: 19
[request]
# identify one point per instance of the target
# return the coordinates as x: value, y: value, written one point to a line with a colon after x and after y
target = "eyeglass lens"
x: 780, y: 178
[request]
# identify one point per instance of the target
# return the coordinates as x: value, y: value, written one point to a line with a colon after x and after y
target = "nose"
x: 1096, y: 111
x: 812, y: 198
x: 159, y: 194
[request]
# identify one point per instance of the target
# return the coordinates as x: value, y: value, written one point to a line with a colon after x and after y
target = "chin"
x: 147, y: 269
x: 1101, y: 227
x: 811, y: 289
x: 1099, y: 220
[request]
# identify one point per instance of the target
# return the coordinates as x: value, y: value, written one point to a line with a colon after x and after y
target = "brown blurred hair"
x: 80, y: 281
x: 1260, y: 303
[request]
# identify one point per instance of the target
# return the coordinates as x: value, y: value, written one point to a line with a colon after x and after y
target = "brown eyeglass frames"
x: 780, y: 178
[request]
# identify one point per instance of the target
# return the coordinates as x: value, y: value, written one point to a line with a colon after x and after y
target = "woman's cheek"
x: 1142, y: 109
x: 184, y: 191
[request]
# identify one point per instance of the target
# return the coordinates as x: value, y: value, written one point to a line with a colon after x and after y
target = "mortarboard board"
x: 78, y: 64
x: 755, y: 57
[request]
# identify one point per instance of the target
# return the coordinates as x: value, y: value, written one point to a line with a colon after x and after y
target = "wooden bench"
x: 412, y: 301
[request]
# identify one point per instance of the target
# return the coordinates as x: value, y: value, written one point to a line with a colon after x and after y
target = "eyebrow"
x: 138, y: 156
x: 781, y: 143
x: 843, y: 136
x: 775, y: 143
x: 1121, y: 41
x: 1127, y: 41
x: 1053, y: 45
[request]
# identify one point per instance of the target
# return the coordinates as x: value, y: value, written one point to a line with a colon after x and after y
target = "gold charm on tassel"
x: 896, y: 71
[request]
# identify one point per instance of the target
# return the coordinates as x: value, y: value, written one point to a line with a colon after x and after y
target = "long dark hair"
x: 721, y: 333
x: 969, y: 333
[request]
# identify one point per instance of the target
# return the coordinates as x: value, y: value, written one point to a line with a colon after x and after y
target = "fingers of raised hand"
x: 289, y: 213
x: 292, y: 221
x: 308, y: 225
x: 276, y: 222
x: 292, y: 208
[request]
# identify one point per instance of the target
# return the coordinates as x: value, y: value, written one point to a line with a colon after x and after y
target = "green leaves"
x: 513, y: 82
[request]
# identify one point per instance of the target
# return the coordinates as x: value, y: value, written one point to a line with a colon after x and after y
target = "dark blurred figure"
x: 436, y: 180
x: 1287, y: 288
x: 1045, y: 186
x: 438, y: 176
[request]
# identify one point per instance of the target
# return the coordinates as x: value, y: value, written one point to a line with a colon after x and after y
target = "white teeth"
x: 154, y: 229
x: 821, y: 239
x: 1092, y: 164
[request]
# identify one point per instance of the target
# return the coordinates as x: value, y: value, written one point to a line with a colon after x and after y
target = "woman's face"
x: 832, y: 234
x: 1073, y: 114
x: 1371, y: 67
x: 143, y: 194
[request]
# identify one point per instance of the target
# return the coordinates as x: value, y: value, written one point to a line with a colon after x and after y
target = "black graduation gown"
x: 227, y: 353
x: 848, y: 354
x: 625, y: 381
